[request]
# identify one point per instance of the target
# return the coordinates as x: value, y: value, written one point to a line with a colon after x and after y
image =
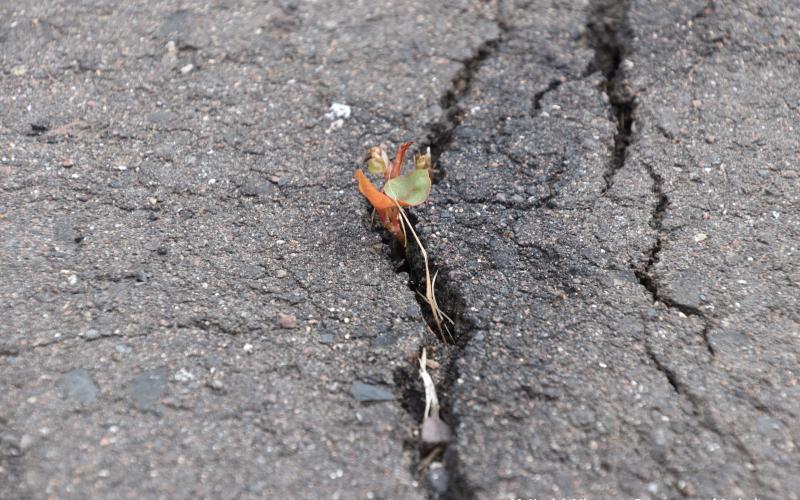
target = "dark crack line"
x: 441, y: 131
x: 447, y: 347
x: 538, y: 96
x: 702, y: 413
x: 645, y: 274
x: 608, y: 35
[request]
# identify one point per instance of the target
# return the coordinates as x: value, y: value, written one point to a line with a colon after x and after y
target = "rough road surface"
x: 193, y: 302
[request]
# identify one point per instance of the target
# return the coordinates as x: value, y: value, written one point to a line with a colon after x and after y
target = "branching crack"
x: 610, y: 37
x: 645, y: 274
x: 441, y: 131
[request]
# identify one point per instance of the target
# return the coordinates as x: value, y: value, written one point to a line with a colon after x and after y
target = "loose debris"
x: 434, y: 431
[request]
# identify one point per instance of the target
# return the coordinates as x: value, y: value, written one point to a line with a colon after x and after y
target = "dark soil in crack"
x: 444, y: 347
x: 609, y: 36
x: 447, y: 346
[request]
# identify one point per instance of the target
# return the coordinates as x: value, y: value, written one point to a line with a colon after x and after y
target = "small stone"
x: 187, y: 69
x: 437, y: 477
x: 338, y: 111
x: 368, y: 392
x: 147, y: 388
x: 287, y: 320
x: 19, y: 70
x: 326, y: 338
x: 25, y: 442
x: 152, y: 201
x: 183, y: 375
x: 700, y: 237
x: 248, y: 348
x: 90, y: 334
x: 435, y: 432
x: 78, y: 385
x: 67, y: 163
x: 281, y: 273
x: 687, y: 488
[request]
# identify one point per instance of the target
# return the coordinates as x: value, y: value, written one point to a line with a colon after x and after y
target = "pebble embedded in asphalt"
x: 79, y: 385
x: 147, y: 388
x: 370, y: 393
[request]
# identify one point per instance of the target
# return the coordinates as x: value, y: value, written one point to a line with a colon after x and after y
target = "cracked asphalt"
x: 193, y: 302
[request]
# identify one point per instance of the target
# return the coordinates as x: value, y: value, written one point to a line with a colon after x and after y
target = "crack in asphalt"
x: 608, y: 33
x: 645, y: 274
x: 449, y: 345
x: 702, y: 413
x: 538, y: 96
x: 609, y: 36
x: 441, y: 131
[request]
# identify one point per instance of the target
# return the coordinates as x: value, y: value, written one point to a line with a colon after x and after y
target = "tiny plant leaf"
x: 377, y: 161
x: 378, y: 200
x: 410, y: 189
x: 423, y: 161
x: 397, y: 164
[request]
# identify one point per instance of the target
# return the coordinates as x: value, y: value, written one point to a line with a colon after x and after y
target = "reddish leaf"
x: 397, y: 164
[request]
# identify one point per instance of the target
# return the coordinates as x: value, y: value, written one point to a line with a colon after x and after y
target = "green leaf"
x: 376, y: 166
x: 411, y: 189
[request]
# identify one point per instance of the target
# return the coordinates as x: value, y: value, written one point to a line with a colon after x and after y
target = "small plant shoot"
x: 400, y: 191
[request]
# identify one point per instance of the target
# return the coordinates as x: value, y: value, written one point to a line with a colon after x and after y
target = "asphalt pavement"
x: 194, y: 302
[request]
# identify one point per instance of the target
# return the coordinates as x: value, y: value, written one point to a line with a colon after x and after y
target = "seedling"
x: 398, y: 191
x: 401, y: 191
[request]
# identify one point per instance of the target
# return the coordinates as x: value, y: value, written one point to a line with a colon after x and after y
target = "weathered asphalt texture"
x: 193, y: 303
